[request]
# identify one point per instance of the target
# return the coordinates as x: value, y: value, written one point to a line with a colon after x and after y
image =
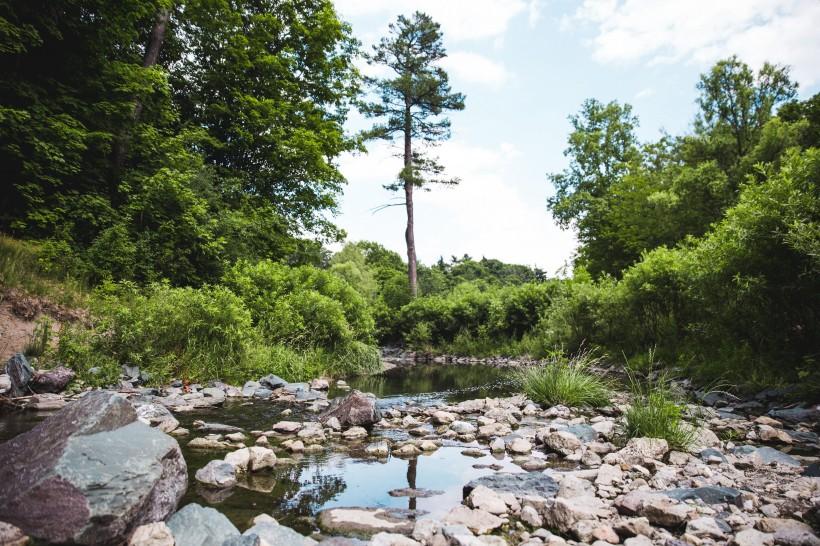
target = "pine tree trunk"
x: 412, y: 273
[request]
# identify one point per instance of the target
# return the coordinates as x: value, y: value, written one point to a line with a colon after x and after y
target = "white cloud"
x: 460, y: 19
x: 485, y: 215
x: 475, y: 68
x: 648, y: 92
x: 703, y: 31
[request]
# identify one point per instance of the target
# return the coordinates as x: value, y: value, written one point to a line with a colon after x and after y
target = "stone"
x: 710, y: 454
x: 639, y: 449
x: 414, y: 493
x: 443, y: 417
x: 631, y: 527
x: 575, y: 487
x: 272, y: 382
x: 217, y: 473
x: 392, y: 539
x: 287, y: 427
x: 425, y: 529
x: 494, y: 430
x: 709, y: 495
x: 240, y: 460
x: 659, y: 509
x: 590, y: 531
x: 378, y: 449
x: 208, y: 443
x: 562, y: 442
x: 519, y: 484
x: 355, y: 409
x: 196, y: 525
x: 53, y: 381
x: 278, y: 535
x: 560, y: 514
x: 5, y: 383
x: 365, y: 522
x: 706, y: 527
x: 638, y: 540
x: 531, y: 517
x: 609, y: 475
x: 775, y: 525
x: 766, y: 455
x: 46, y: 402
x: 312, y: 433
x: 478, y: 521
x: 211, y: 428
x: 462, y: 427
x: 20, y: 373
x: 519, y: 446
x: 159, y: 416
x: 605, y: 428
x: 498, y: 446
x: 236, y: 437
x: 796, y: 538
x: 795, y: 415
x: 12, y: 536
x: 319, y: 384
x: 250, y: 387
x: 355, y: 433
x: 103, y: 475
x: 587, y: 433
x: 152, y: 534
x: 486, y: 499
x: 212, y: 392
x: 752, y: 537
x: 262, y: 392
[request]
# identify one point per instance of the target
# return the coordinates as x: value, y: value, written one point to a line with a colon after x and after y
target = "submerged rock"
x: 103, y: 475
x: 196, y: 525
x: 519, y: 484
x: 365, y: 522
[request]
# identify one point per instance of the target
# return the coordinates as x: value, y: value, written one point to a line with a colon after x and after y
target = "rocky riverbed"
x: 499, y: 470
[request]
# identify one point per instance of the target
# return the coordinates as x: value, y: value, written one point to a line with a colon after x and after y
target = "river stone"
x: 709, y: 453
x: 706, y: 527
x: 365, y: 522
x: 478, y: 521
x: 217, y: 473
x: 378, y: 449
x: 287, y: 427
x: 462, y: 427
x: 488, y: 500
x: 356, y: 409
x: 766, y: 455
x: 561, y: 514
x: 709, y: 495
x: 213, y: 392
x: 278, y: 535
x: 563, y: 442
x: 103, y: 475
x: 5, y: 383
x: 196, y: 525
x: 152, y: 534
x: 272, y: 382
x: 158, y: 416
x: 20, y: 373
x: 638, y: 449
x: 12, y: 536
x: 519, y: 484
x: 794, y: 415
x: 250, y: 387
x: 210, y: 428
x: 443, y: 417
x: 585, y: 433
x: 54, y: 380
x: 752, y: 537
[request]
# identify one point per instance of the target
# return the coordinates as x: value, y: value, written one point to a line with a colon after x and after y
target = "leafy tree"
x: 413, y: 102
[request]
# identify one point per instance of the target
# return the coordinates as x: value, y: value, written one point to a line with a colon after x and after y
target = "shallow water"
x: 293, y: 493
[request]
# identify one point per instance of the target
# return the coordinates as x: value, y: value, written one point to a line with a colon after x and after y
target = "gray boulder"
x: 272, y: 382
x: 357, y: 409
x: 53, y: 381
x: 766, y: 455
x: 519, y: 484
x: 709, y: 495
x: 196, y: 525
x: 278, y: 535
x: 20, y: 373
x: 102, y: 475
x: 217, y: 473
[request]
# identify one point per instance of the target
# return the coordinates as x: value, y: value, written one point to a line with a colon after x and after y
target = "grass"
x: 22, y: 266
x: 40, y: 340
x: 566, y: 381
x: 656, y: 411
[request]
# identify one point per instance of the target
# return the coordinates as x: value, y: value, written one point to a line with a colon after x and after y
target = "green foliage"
x: 655, y: 412
x: 566, y: 381
x: 40, y: 341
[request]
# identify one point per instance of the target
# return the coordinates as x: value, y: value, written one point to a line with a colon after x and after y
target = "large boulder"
x: 20, y: 373
x: 90, y: 474
x: 357, y: 409
x: 54, y: 380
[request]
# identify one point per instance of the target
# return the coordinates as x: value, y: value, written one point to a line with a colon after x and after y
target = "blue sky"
x: 525, y: 66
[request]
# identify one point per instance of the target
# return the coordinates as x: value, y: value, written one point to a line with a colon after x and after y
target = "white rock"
x: 152, y: 534
x: 392, y: 539
x: 562, y: 442
x: 485, y: 498
x: 531, y: 517
x: 519, y: 445
x: 479, y: 521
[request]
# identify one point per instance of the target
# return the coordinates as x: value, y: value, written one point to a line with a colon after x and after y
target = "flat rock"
x: 766, y: 455
x: 639, y: 449
x: 278, y: 535
x: 365, y: 522
x: 486, y: 499
x: 152, y: 534
x: 414, y: 493
x: 46, y: 402
x: 287, y: 427
x: 709, y: 495
x: 478, y: 521
x: 519, y: 484
x: 196, y: 525
x: 103, y: 475
x: 210, y: 428
x: 560, y: 514
x: 752, y: 537
x: 563, y: 442
x: 272, y: 382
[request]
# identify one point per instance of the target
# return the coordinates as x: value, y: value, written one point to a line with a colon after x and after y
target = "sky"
x: 525, y: 66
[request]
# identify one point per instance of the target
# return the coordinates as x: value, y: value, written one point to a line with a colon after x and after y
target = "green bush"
x: 566, y: 381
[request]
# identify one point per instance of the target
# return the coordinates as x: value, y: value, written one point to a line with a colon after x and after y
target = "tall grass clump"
x: 26, y: 265
x: 566, y: 381
x: 656, y: 410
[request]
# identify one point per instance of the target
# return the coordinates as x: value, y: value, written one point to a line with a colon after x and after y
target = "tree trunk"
x: 149, y: 59
x: 412, y: 273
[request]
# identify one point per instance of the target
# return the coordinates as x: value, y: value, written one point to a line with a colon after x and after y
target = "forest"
x: 172, y: 168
